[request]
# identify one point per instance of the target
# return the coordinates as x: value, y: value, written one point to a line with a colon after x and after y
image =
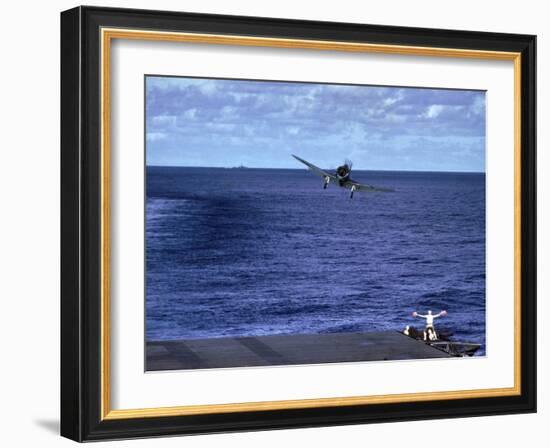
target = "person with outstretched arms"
x: 429, y: 321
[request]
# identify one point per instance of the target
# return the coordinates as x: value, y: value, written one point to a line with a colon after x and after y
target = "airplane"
x: 342, y: 177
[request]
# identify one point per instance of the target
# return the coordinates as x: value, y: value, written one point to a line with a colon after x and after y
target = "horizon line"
x: 297, y: 169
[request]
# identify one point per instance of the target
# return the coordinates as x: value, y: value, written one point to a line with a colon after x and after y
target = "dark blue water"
x: 241, y: 252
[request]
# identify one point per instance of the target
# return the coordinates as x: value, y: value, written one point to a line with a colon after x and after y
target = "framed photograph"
x: 273, y: 223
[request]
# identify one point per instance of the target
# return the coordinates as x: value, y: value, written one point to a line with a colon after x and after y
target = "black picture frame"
x: 81, y: 380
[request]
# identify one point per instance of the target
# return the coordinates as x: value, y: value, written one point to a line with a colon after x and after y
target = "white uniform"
x: 429, y: 318
x: 430, y: 324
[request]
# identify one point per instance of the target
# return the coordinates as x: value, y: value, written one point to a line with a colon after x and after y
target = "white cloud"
x: 390, y: 100
x: 155, y: 136
x: 433, y: 111
x: 169, y: 120
x: 208, y: 87
x: 293, y: 130
x: 190, y: 114
x: 478, y: 106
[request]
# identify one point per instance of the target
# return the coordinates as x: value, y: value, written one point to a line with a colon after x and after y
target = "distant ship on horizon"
x: 240, y: 167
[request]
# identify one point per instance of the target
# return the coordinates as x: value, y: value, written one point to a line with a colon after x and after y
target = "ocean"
x: 250, y: 252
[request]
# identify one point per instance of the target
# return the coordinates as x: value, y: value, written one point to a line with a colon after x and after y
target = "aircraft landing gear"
x: 325, y: 184
x: 353, y: 188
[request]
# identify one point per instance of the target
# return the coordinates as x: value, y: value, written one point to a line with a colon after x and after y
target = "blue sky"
x: 225, y: 123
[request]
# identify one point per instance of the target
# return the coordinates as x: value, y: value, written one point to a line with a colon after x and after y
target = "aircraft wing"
x: 363, y: 187
x: 315, y: 169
